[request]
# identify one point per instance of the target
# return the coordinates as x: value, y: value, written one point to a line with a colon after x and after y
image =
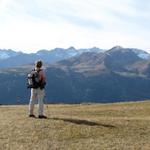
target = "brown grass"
x: 120, y: 126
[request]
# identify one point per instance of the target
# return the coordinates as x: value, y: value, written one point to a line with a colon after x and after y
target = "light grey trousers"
x: 37, y: 94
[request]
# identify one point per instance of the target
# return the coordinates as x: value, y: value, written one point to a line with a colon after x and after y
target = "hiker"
x: 37, y: 89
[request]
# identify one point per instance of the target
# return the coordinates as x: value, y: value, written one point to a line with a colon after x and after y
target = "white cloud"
x: 32, y: 25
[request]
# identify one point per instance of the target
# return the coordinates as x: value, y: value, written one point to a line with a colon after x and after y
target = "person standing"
x: 37, y: 90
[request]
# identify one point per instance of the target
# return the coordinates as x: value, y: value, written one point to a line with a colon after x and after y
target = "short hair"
x: 38, y: 63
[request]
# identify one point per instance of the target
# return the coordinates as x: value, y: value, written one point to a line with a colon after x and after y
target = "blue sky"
x: 31, y: 25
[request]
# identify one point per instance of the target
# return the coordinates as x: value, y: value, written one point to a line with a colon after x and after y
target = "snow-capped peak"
x: 4, y: 54
x: 142, y: 54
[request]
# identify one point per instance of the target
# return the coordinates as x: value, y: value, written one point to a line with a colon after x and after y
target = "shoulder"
x: 41, y: 72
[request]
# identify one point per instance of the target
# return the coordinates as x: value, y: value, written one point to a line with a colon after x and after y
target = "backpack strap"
x: 37, y: 70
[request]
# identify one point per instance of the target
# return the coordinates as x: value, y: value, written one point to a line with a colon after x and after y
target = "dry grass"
x: 120, y: 126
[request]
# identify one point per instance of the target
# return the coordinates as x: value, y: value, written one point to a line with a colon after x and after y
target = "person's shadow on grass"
x: 83, y: 122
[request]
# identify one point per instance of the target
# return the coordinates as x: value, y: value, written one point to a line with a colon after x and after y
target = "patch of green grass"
x: 119, y: 126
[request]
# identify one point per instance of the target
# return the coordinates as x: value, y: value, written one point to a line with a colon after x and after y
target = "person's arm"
x: 42, y: 76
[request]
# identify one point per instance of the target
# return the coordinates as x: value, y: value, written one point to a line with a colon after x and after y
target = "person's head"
x: 38, y: 64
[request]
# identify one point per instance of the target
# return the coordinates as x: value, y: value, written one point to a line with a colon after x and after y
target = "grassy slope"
x: 122, y: 126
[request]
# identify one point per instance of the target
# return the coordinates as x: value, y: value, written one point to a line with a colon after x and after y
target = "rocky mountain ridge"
x: 119, y: 74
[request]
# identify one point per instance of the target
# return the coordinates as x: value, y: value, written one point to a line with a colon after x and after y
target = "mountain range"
x: 10, y: 58
x: 90, y: 75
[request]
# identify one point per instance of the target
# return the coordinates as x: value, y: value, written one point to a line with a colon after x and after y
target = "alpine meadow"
x: 75, y: 127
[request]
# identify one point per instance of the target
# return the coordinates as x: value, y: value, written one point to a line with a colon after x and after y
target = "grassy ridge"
x: 120, y: 126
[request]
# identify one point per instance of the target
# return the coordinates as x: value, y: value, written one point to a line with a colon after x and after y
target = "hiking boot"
x: 42, y: 117
x: 33, y: 116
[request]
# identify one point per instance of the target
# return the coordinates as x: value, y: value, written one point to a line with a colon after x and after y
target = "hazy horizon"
x: 28, y: 52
